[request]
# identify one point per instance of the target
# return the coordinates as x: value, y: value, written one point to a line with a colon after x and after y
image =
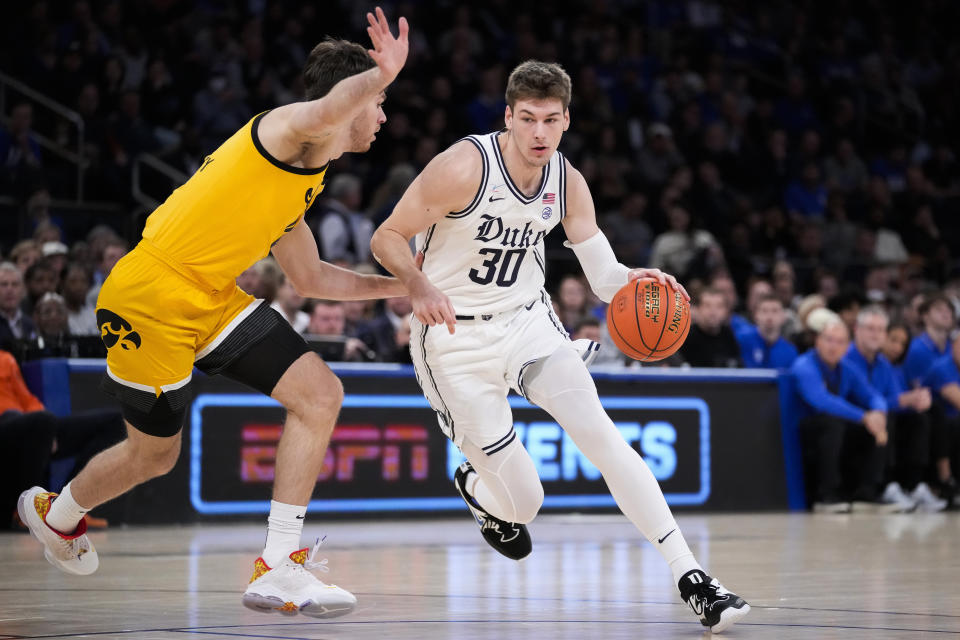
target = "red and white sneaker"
x: 289, y: 588
x: 72, y: 553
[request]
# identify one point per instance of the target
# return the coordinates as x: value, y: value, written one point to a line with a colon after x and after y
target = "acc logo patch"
x: 546, y: 213
x: 114, y: 329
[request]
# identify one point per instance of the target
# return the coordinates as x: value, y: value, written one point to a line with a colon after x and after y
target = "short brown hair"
x: 935, y: 298
x: 535, y: 80
x: 330, y: 62
x: 769, y: 297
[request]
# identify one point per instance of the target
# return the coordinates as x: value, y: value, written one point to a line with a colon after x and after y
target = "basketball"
x: 647, y: 320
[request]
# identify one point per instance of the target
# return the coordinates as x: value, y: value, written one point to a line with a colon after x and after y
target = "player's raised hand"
x: 388, y: 52
x: 659, y: 276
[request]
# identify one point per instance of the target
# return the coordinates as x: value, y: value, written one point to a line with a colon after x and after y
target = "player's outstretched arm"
x: 297, y: 254
x: 604, y: 273
x: 448, y: 183
x: 319, y: 118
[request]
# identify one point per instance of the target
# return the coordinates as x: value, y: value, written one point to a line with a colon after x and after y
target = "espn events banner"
x: 712, y: 440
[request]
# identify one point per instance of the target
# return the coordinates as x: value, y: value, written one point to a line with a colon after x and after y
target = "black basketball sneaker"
x: 509, y: 538
x: 716, y: 607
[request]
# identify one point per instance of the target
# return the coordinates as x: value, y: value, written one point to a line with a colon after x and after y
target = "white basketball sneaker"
x: 925, y: 499
x: 72, y: 553
x: 289, y: 588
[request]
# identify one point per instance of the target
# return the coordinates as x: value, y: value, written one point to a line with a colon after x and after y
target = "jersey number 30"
x: 512, y: 260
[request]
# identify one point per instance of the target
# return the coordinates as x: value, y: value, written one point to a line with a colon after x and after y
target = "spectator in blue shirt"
x: 843, y: 414
x: 908, y: 418
x: 944, y: 379
x: 807, y: 197
x: 763, y: 345
x: 895, y: 349
x: 937, y: 315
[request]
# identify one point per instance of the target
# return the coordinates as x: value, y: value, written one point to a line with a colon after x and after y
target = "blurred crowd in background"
x: 793, y: 163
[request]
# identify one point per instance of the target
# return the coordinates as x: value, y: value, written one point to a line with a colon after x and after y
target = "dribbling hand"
x: 388, y: 52
x: 659, y: 276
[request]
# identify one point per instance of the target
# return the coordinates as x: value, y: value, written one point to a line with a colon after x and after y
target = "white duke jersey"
x: 489, y: 257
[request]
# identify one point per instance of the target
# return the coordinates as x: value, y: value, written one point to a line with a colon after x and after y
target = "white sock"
x: 65, y: 514
x: 675, y: 551
x: 284, y: 525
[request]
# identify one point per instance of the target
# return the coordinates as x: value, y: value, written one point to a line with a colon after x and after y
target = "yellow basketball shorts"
x: 156, y: 324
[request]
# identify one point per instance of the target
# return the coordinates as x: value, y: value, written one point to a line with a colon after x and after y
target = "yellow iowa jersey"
x: 229, y: 213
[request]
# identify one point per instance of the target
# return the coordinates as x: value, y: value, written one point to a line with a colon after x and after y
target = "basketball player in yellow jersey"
x: 172, y: 303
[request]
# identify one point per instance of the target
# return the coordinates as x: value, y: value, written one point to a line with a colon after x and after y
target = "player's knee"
x: 528, y: 505
x: 561, y: 372
x: 154, y: 459
x: 311, y: 391
x: 327, y: 396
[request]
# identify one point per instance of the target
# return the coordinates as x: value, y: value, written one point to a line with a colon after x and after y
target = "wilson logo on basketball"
x: 677, y: 319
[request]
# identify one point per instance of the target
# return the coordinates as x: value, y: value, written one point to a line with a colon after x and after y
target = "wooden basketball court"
x: 806, y: 576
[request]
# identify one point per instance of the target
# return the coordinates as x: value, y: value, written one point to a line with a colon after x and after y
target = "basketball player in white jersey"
x: 480, y: 211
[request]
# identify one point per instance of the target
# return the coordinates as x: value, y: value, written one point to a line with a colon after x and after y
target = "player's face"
x: 536, y: 127
x: 364, y: 127
x: 871, y: 333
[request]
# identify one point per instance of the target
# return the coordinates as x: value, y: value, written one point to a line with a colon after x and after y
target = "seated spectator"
x: 343, y: 233
x: 722, y: 282
x: 55, y: 255
x: 380, y: 334
x: 842, y: 415
x: 26, y: 435
x: 290, y: 305
x: 907, y: 413
x: 270, y: 275
x: 807, y: 197
x: 326, y: 335
x: 711, y: 342
x: 944, y: 378
x: 763, y: 345
x: 659, y: 158
x: 683, y: 251
x: 81, y: 318
x: 630, y: 235
x: 20, y: 157
x: 14, y: 323
x: 757, y: 290
x: 402, y: 339
x: 53, y: 334
x: 895, y: 349
x: 846, y: 304
x: 249, y: 280
x: 32, y: 436
x: 844, y: 170
x: 113, y: 249
x: 938, y: 318
x: 590, y: 328
x: 40, y: 280
x: 24, y: 254
x: 571, y: 302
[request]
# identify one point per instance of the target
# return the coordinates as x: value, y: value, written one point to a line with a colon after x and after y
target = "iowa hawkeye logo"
x: 114, y: 329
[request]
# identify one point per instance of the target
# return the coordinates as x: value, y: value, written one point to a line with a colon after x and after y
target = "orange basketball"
x: 648, y: 321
